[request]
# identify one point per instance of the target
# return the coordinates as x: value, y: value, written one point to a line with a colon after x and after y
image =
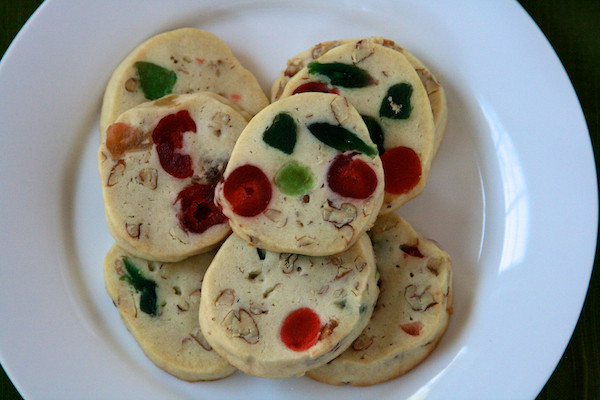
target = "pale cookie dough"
x: 304, y: 177
x: 159, y: 305
x: 435, y: 91
x: 412, y: 313
x: 386, y: 90
x: 159, y: 164
x: 181, y: 61
x: 278, y: 314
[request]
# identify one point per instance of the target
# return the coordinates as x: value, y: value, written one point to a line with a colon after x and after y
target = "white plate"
x: 512, y: 195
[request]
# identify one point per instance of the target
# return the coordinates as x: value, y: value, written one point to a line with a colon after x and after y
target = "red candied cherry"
x: 168, y: 137
x: 411, y: 250
x: 315, y: 87
x: 351, y: 177
x: 301, y: 329
x: 412, y: 328
x: 248, y: 190
x: 198, y: 210
x: 402, y: 169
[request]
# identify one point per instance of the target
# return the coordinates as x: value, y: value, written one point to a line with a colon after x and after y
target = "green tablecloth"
x: 573, y: 29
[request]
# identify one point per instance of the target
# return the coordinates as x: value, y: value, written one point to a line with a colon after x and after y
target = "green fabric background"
x: 573, y: 29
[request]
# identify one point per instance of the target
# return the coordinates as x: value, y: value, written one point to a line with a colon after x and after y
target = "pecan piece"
x: 270, y: 290
x: 257, y: 309
x: 419, y: 300
x: 218, y: 122
x: 127, y: 305
x: 179, y: 234
x: 239, y: 323
x: 131, y: 84
x: 167, y: 100
x: 319, y: 49
x: 362, y: 50
x: 328, y: 328
x: 347, y: 233
x: 360, y: 263
x: 133, y: 230
x: 306, y: 240
x: 324, y: 289
x: 201, y: 340
x: 342, y: 271
x: 148, y: 177
x: 340, y: 109
x: 277, y: 217
x: 339, y: 216
x: 116, y: 172
x: 183, y: 306
x: 119, y: 267
x: 363, y: 342
x: 390, y: 43
x: 225, y: 298
x: 430, y: 83
x: 293, y: 66
x: 433, y: 266
x: 280, y: 88
x: 288, y: 264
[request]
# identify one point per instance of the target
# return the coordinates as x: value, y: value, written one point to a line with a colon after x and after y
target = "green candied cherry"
x: 396, y: 103
x: 341, y: 303
x: 155, y: 80
x: 282, y: 133
x: 146, y: 286
x: 340, y: 138
x: 294, y: 179
x: 341, y: 74
x: 375, y: 132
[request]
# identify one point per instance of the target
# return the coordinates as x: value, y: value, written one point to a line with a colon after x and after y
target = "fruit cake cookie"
x: 435, y: 91
x: 279, y: 314
x: 412, y: 312
x: 304, y: 177
x: 159, y: 305
x: 178, y: 62
x: 159, y: 164
x: 386, y: 90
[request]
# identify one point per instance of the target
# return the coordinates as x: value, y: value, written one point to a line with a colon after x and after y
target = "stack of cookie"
x: 319, y: 277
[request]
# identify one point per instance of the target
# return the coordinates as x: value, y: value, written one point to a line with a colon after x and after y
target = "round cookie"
x: 159, y: 163
x: 178, y: 62
x: 159, y: 305
x: 435, y: 91
x: 412, y: 312
x: 386, y: 90
x: 304, y: 177
x: 279, y: 314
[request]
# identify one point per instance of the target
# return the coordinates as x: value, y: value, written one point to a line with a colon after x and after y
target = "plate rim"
x: 47, y: 4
